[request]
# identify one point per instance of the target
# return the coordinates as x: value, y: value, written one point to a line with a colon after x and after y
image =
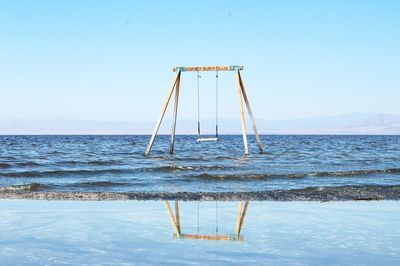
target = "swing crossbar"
x: 206, y: 139
x: 207, y: 68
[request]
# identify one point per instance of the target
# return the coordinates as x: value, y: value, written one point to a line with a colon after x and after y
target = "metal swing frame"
x: 241, y: 95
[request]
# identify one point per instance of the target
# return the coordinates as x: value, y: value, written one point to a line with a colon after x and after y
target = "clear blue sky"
x: 112, y: 60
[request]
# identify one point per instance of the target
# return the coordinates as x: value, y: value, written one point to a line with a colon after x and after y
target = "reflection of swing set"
x: 241, y: 94
x: 176, y: 224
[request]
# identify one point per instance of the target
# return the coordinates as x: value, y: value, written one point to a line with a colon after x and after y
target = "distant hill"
x: 358, y: 123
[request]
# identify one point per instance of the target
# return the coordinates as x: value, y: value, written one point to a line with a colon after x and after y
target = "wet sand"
x: 345, y: 193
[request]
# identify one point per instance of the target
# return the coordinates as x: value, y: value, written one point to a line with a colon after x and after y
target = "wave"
x: 81, y: 172
x: 250, y: 176
x: 213, y: 172
x: 37, y: 187
x: 96, y: 162
x: 358, y: 172
x: 209, y: 158
x: 100, y: 184
x: 109, y: 171
x: 27, y: 164
x: 172, y: 168
x: 4, y: 165
x: 22, y: 188
x: 253, y: 176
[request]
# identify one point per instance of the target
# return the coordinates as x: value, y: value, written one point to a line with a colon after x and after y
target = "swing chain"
x: 198, y: 217
x: 216, y: 104
x: 216, y: 218
x: 198, y: 103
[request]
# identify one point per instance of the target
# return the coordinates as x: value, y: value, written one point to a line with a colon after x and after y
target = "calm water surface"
x: 140, y: 233
x: 117, y: 163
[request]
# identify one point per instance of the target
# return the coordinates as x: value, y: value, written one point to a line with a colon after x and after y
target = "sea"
x: 118, y: 163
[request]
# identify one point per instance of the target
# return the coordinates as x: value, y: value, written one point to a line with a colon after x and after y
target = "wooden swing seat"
x: 207, y: 139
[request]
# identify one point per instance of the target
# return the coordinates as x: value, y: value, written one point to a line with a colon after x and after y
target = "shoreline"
x: 344, y: 193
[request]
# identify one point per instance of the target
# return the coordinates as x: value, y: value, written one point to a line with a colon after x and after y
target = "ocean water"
x: 118, y: 163
x: 140, y: 233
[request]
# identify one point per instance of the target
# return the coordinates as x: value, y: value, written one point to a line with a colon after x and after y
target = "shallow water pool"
x: 141, y: 232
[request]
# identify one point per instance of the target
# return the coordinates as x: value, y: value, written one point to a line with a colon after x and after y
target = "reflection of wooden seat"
x: 209, y: 237
x: 175, y: 221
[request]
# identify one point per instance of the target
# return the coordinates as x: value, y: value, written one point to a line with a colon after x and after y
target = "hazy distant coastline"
x: 357, y: 123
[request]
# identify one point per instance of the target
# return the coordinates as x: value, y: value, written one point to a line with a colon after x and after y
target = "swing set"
x: 241, y: 94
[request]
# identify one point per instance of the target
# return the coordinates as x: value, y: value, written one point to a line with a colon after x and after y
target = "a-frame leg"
x: 246, y: 100
x: 240, y: 216
x: 242, y: 120
x: 177, y: 218
x: 246, y: 205
x: 171, y: 144
x: 171, y: 217
x: 153, y: 136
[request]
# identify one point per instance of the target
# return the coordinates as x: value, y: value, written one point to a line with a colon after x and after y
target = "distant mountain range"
x: 358, y: 123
